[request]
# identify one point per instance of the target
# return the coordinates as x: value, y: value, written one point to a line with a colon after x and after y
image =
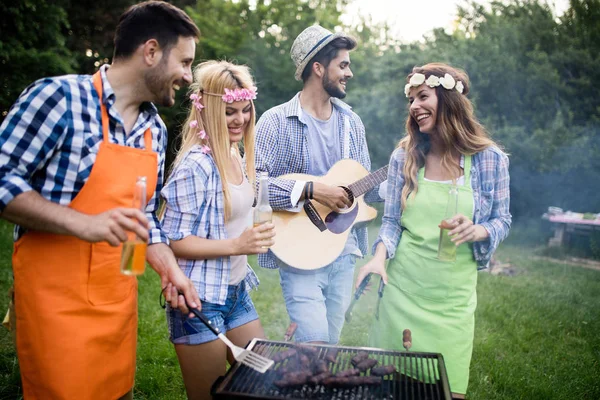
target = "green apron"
x: 435, y: 299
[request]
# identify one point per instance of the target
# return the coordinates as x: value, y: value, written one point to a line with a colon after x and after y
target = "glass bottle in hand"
x: 263, y: 211
x: 447, y: 248
x: 133, y: 257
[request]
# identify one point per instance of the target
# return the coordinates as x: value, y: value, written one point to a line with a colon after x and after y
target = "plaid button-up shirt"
x: 281, y: 147
x: 195, y: 206
x: 491, y: 194
x: 50, y: 139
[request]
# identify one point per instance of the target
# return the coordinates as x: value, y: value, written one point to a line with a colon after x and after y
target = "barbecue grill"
x: 420, y: 376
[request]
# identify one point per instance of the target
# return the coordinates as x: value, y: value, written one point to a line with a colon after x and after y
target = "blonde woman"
x: 209, y: 198
x: 444, y: 146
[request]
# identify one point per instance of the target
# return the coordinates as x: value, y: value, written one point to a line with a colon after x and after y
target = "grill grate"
x: 420, y: 376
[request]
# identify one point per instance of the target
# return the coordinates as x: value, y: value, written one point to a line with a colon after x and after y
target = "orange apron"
x: 76, y: 314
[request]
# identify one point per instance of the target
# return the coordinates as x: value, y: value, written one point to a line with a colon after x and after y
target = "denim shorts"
x: 237, y: 311
x: 317, y: 300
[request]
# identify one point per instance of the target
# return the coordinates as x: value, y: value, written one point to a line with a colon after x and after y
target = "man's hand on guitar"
x: 333, y: 197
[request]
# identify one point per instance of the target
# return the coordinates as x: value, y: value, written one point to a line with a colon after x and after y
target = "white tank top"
x: 242, y: 198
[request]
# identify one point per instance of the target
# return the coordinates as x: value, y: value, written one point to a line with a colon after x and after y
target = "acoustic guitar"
x: 315, y: 239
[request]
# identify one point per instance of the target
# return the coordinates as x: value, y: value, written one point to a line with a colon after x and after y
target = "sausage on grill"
x: 347, y: 372
x: 316, y: 379
x: 361, y: 355
x: 293, y: 379
x: 304, y: 361
x: 320, y: 366
x: 307, y: 349
x: 383, y: 370
x: 282, y: 355
x: 366, y: 364
x: 331, y: 355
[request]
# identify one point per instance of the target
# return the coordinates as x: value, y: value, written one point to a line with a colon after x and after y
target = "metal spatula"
x: 246, y: 357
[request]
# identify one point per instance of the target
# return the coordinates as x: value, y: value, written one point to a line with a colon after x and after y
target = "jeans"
x: 317, y: 300
x: 237, y: 311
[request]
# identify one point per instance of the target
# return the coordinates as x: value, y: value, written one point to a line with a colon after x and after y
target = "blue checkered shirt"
x: 195, y: 206
x: 281, y: 147
x: 491, y: 194
x: 51, y: 136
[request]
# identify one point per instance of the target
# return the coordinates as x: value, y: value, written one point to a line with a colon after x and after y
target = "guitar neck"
x: 367, y: 183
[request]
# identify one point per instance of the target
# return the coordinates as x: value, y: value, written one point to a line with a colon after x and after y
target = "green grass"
x: 537, y: 334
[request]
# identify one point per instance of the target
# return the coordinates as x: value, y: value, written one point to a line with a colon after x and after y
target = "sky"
x: 410, y: 20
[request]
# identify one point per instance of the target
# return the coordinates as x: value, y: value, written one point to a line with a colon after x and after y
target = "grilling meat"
x: 307, y: 349
x: 361, y: 355
x: 347, y: 372
x: 304, y: 361
x: 320, y: 366
x: 316, y: 379
x: 282, y: 355
x: 407, y: 339
x: 293, y: 379
x: 366, y: 364
x: 331, y: 355
x: 383, y: 370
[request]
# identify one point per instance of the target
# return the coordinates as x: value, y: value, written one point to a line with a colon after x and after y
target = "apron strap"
x: 98, y: 85
x: 467, y: 169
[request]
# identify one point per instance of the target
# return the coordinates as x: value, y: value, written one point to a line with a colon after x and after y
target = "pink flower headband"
x: 232, y: 95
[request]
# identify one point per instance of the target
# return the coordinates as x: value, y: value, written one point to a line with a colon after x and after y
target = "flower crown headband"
x: 232, y: 95
x: 229, y: 97
x: 447, y: 82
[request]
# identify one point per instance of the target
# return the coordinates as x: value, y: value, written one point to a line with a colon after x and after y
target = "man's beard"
x: 159, y: 84
x: 331, y: 88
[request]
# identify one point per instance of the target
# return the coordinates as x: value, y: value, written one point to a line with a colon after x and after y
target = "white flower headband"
x: 447, y: 82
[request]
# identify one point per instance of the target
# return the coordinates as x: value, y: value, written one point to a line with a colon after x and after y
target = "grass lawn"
x: 537, y: 334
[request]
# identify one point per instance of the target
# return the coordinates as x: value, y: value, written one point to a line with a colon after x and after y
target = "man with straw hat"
x: 307, y: 135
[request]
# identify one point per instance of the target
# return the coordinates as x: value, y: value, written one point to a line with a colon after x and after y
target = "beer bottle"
x: 263, y: 211
x: 133, y: 257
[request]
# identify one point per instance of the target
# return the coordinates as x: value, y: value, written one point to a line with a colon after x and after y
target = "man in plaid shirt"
x: 308, y: 135
x: 71, y: 148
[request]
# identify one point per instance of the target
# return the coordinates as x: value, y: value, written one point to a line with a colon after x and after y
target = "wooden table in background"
x: 565, y: 226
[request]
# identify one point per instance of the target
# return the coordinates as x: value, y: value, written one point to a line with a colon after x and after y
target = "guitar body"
x: 299, y: 243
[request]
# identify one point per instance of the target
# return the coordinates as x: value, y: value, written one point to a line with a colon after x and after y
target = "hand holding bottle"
x: 255, y: 240
x: 133, y: 256
x: 463, y: 230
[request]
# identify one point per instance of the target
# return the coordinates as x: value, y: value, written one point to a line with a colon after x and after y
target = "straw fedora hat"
x: 308, y: 44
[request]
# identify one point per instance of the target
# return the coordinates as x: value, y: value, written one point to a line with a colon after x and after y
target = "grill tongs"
x: 357, y: 294
x: 246, y: 357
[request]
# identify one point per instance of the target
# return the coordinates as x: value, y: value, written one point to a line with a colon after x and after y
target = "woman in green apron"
x: 445, y: 147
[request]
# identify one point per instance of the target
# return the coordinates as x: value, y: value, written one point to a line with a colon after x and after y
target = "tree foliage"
x: 534, y: 76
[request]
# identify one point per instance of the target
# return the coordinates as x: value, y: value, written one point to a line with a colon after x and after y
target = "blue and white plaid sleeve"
x: 265, y: 150
x: 391, y: 231
x: 495, y: 194
x: 29, y: 134
x: 184, y: 192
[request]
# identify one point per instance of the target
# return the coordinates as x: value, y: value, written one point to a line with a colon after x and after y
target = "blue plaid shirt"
x: 281, y: 147
x: 51, y: 136
x: 195, y: 206
x: 491, y: 194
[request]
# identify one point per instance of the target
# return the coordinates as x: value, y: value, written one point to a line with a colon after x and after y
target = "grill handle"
x: 206, y: 321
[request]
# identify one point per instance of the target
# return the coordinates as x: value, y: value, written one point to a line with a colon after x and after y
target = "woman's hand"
x: 256, y: 240
x: 375, y: 265
x: 465, y: 231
